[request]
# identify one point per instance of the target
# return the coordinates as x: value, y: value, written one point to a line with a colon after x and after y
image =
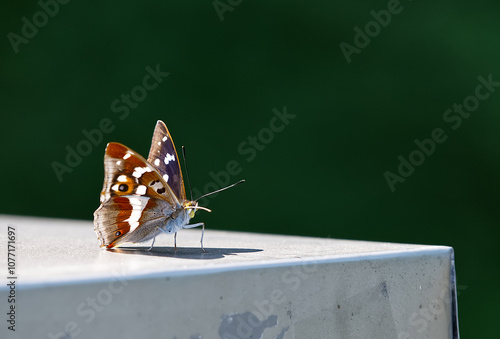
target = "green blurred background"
x: 322, y: 175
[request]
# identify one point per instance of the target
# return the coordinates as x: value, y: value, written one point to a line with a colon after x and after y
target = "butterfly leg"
x: 154, y: 238
x: 202, y: 231
x: 202, y: 234
x: 175, y: 241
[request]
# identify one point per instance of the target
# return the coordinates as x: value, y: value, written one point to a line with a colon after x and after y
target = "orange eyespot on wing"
x: 134, y: 198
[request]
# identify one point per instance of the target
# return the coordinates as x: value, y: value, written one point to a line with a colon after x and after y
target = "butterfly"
x: 142, y: 198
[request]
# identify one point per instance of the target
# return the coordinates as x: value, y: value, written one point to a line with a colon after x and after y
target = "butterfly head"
x: 192, y: 206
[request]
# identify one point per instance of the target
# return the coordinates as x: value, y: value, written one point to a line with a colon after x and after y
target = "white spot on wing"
x: 165, y: 176
x: 164, y: 139
x: 119, y: 162
x: 141, y: 189
x: 139, y: 171
x: 126, y: 156
x: 122, y: 178
x: 133, y: 226
x: 159, y: 143
x: 157, y: 162
x: 138, y: 205
x: 169, y: 158
x: 115, y: 187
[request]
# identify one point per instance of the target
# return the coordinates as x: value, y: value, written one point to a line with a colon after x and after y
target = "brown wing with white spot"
x: 135, y: 199
x: 163, y: 156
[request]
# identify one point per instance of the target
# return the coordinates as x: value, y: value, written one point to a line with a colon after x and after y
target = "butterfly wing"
x: 135, y: 199
x: 163, y: 157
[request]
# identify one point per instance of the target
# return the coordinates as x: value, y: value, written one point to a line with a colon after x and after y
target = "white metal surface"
x: 246, y: 286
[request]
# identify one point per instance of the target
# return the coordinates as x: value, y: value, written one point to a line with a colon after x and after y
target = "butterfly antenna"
x: 222, y: 189
x: 187, y: 172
